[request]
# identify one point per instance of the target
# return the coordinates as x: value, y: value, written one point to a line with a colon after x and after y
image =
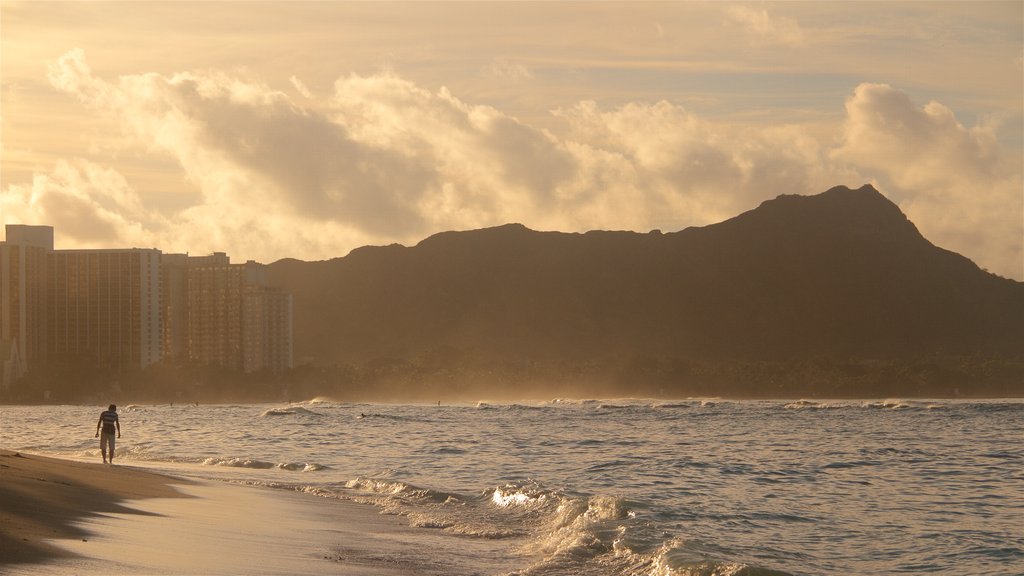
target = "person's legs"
x: 107, y: 439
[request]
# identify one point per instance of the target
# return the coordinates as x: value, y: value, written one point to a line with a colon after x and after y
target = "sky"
x: 307, y: 129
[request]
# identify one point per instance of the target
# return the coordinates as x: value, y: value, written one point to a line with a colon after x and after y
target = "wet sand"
x: 43, y: 499
x: 61, y: 517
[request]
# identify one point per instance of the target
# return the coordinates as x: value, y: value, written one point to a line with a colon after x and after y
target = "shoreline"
x: 62, y: 517
x: 43, y: 499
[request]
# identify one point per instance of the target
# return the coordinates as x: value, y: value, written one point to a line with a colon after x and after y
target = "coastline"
x: 62, y: 517
x: 44, y: 499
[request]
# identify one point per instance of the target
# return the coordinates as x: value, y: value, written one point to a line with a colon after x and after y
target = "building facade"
x: 121, y: 309
x: 267, y: 341
x: 23, y: 309
x: 234, y: 319
x: 104, y: 306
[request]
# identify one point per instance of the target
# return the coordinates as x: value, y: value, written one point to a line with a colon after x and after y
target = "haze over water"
x: 620, y: 486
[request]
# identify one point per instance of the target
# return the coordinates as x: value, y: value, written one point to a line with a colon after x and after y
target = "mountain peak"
x: 840, y: 197
x: 838, y: 212
x: 863, y: 190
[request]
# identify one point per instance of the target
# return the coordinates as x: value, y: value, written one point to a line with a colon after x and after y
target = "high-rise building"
x: 23, y: 309
x: 104, y: 306
x: 214, y: 305
x: 129, y: 308
x: 267, y: 316
x: 173, y: 311
x: 225, y: 315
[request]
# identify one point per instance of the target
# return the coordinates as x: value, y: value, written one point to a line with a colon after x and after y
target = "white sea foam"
x: 264, y: 465
x: 321, y: 400
x: 512, y: 495
x: 288, y: 411
x: 815, y: 405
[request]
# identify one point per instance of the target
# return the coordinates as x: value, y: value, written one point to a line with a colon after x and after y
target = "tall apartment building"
x: 104, y: 306
x: 267, y: 342
x: 173, y: 312
x: 227, y: 316
x: 215, y: 315
x: 23, y: 299
x: 129, y: 308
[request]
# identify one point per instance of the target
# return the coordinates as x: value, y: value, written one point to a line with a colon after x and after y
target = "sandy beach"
x: 45, y: 499
x: 68, y: 517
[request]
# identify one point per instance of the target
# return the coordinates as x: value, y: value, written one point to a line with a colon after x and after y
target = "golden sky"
x: 306, y: 129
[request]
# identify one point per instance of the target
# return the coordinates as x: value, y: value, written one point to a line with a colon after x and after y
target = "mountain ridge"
x: 841, y: 274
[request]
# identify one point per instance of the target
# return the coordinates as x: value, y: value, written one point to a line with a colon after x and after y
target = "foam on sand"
x: 199, y: 527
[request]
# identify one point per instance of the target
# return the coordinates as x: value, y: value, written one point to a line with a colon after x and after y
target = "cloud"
x: 955, y: 182
x: 300, y: 87
x: 384, y: 159
x: 505, y: 69
x: 763, y: 29
x: 93, y: 206
x: 679, y: 169
x: 381, y: 160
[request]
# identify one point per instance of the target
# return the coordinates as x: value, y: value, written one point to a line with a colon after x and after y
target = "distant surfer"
x: 109, y: 423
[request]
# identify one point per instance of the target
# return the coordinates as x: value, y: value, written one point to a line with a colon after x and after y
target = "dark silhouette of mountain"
x: 842, y: 276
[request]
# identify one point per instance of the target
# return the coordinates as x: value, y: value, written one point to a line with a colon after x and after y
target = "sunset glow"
x: 307, y: 129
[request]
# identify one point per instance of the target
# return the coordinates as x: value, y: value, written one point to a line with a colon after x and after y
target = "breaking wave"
x: 557, y: 531
x: 263, y: 465
x: 288, y: 411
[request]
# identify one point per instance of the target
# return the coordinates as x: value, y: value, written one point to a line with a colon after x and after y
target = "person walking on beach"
x: 109, y: 422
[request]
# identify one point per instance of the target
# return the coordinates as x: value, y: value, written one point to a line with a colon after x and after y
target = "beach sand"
x: 41, y: 499
x: 66, y: 517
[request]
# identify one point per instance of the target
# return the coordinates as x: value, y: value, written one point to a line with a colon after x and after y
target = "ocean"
x: 617, y: 487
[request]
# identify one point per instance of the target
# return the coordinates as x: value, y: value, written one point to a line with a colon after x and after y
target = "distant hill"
x: 835, y: 293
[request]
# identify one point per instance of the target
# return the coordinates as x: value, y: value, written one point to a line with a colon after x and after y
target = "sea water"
x: 609, y: 487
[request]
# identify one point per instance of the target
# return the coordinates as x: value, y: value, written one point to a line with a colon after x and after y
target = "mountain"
x: 841, y: 279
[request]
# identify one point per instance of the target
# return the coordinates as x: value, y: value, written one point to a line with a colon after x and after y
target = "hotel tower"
x: 121, y: 309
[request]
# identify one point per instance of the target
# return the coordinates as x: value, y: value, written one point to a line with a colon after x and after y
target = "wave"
x: 616, y: 407
x: 559, y: 531
x: 484, y: 405
x: 898, y: 404
x: 602, y: 534
x: 814, y: 405
x: 563, y: 532
x: 887, y: 404
x: 572, y: 402
x: 401, y: 489
x: 289, y: 411
x: 142, y: 453
x: 321, y: 400
x: 672, y: 405
x: 263, y: 465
